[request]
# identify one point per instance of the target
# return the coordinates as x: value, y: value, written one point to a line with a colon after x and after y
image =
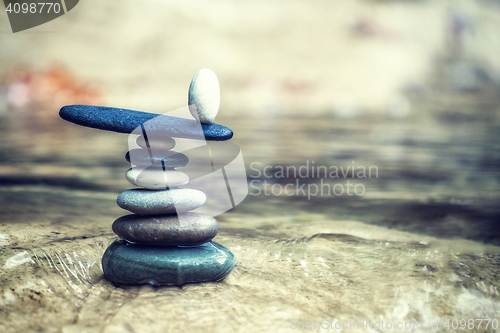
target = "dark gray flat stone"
x: 187, y: 229
x: 125, y: 263
x: 171, y: 159
x: 126, y: 121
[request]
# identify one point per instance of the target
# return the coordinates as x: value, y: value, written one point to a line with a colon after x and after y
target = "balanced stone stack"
x: 163, y: 242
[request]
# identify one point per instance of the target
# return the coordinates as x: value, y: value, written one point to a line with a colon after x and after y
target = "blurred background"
x: 411, y: 87
x: 345, y: 59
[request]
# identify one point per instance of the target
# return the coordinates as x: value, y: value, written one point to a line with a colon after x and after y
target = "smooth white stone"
x: 204, y: 95
x: 157, y: 179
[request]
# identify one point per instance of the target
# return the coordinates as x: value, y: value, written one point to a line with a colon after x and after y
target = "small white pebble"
x: 204, y: 96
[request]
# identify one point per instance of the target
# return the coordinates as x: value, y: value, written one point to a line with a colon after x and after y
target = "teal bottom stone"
x: 127, y: 263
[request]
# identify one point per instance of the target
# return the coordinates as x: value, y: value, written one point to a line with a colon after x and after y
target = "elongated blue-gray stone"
x: 127, y: 263
x: 126, y: 121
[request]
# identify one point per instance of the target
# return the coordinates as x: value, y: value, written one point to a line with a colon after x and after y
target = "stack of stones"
x: 163, y: 242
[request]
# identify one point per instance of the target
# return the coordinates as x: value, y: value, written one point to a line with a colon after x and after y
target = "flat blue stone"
x: 126, y: 121
x: 127, y: 263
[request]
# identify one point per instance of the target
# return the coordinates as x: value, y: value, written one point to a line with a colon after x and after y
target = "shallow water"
x: 421, y: 244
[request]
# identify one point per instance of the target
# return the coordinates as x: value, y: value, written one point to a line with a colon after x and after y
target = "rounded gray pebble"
x: 167, y: 158
x: 163, y: 143
x: 147, y: 202
x: 186, y: 229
